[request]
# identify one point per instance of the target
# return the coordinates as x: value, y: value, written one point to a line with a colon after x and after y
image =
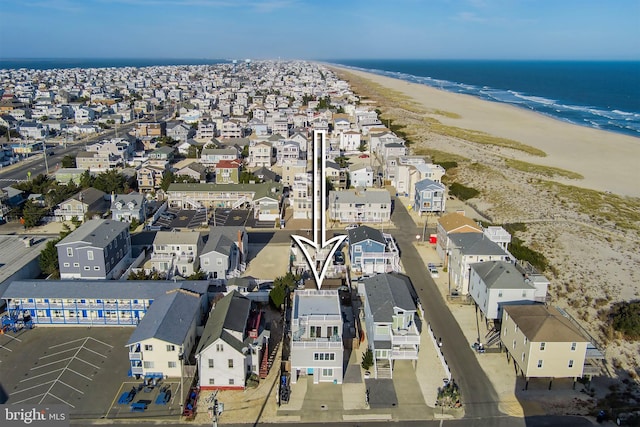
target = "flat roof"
x: 310, y: 302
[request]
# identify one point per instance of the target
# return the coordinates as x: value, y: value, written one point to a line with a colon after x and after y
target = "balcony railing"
x: 404, y: 354
x: 135, y: 356
x: 317, y: 344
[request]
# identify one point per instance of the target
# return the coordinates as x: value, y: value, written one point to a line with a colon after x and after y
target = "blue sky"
x: 321, y: 29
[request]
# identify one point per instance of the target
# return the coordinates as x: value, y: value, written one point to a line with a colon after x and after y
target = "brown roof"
x: 544, y: 324
x: 453, y: 221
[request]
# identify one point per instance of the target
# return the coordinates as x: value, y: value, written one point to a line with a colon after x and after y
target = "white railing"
x: 317, y: 344
x: 404, y: 354
x: 439, y: 352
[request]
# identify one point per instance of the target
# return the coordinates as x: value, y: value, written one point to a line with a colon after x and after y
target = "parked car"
x: 433, y: 270
x: 338, y: 258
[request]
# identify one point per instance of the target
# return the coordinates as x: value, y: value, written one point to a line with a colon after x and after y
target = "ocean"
x: 603, y: 95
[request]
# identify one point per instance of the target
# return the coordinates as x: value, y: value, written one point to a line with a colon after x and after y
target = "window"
x: 87, y: 268
x: 96, y: 268
x: 149, y: 365
x: 524, y: 294
x: 90, y: 255
x: 573, y: 346
x: 571, y: 363
x: 542, y: 345
x: 231, y: 363
x: 212, y: 381
x: 69, y: 251
x: 327, y: 372
x: 66, y: 264
x: 514, y: 343
x: 231, y: 381
x: 523, y: 356
x: 500, y: 294
x: 219, y: 347
x: 148, y: 347
x: 171, y: 364
x: 540, y: 363
x: 76, y: 264
x: 210, y: 363
x: 171, y: 347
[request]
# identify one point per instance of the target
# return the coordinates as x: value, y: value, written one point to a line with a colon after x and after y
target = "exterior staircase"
x: 268, y: 356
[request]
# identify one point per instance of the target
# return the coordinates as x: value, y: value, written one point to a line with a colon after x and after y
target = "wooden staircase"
x: 267, y: 360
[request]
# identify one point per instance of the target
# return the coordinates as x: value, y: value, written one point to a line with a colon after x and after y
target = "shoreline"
x: 606, y: 160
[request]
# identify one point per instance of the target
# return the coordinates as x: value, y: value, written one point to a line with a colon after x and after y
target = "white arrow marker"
x: 319, y: 213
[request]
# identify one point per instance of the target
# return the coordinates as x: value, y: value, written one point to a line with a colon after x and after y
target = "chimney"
x: 240, y: 245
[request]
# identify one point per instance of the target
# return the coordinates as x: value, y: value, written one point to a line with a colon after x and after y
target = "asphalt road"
x: 479, y: 398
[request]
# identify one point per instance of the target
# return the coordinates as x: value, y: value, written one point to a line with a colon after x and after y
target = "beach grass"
x: 440, y: 157
x: 547, y: 171
x: 621, y: 212
x: 447, y: 114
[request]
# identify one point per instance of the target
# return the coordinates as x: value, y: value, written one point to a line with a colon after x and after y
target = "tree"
x: 68, y: 162
x: 367, y: 359
x: 246, y: 177
x: 110, y: 181
x: 86, y: 180
x: 49, y: 258
x: 330, y: 186
x: 281, y: 287
x: 32, y: 214
x: 362, y: 147
x: 198, y: 275
x: 167, y: 179
x: 193, y: 152
x: 245, y: 152
x: 342, y: 161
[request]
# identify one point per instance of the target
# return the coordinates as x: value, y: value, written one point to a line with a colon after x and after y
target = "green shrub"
x: 626, y: 319
x: 367, y: 359
x: 522, y: 252
x: 462, y: 192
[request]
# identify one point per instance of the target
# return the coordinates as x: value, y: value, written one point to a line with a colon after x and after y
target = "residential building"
x: 232, y: 345
x: 86, y: 204
x: 467, y: 249
x: 291, y: 169
x: 260, y: 155
x: 371, y: 251
x: 127, y: 207
x: 450, y: 224
x: 150, y: 177
x: 499, y: 235
x: 97, y: 161
x: 316, y: 336
x: 193, y: 170
x: 210, y: 157
x: 206, y: 130
x: 231, y: 129
x: 542, y: 342
x: 495, y: 284
x: 390, y: 321
x: 287, y: 151
x: 180, y: 131
x: 176, y: 253
x: 359, y: 206
x: 166, y: 335
x: 228, y: 171
x: 338, y: 176
x: 361, y: 176
x: 430, y: 197
x: 350, y: 141
x: 301, y: 195
x: 225, y: 253
x: 151, y: 129
x: 98, y: 249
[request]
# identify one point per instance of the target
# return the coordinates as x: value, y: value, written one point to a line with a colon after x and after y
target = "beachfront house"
x: 495, y: 284
x: 316, y: 336
x: 430, y: 197
x: 390, y: 321
x: 359, y: 206
x: 544, y: 343
x: 450, y: 224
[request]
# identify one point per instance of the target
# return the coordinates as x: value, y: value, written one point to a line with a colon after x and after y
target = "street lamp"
x: 181, y: 358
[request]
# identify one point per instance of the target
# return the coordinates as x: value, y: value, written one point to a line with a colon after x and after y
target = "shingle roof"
x: 173, y: 237
x: 366, y: 196
x: 455, y: 220
x: 427, y: 184
x: 365, y: 233
x: 500, y: 275
x: 475, y: 244
x: 543, y: 324
x: 221, y: 239
x: 230, y: 313
x: 95, y: 232
x: 386, y: 291
x: 169, y: 318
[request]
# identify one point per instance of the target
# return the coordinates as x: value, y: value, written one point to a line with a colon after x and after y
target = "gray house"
x: 98, y: 249
x: 179, y: 131
x: 126, y: 207
x: 225, y: 253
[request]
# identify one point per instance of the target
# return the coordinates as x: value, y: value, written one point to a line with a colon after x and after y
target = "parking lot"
x: 84, y: 368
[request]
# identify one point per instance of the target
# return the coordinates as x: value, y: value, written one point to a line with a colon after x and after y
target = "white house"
x: 494, y: 284
x: 316, y: 336
x: 361, y: 176
x: 357, y: 206
x: 225, y: 253
x: 231, y: 346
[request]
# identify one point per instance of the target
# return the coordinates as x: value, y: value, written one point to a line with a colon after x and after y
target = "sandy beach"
x: 608, y: 161
x: 588, y: 229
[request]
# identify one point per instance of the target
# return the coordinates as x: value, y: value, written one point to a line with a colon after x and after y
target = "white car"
x: 433, y: 271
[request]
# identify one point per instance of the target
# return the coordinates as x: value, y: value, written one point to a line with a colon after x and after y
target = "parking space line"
x: 32, y: 387
x: 40, y: 375
x: 98, y: 341
x: 69, y: 342
x: 6, y: 348
x: 27, y: 399
x: 59, y: 352
x: 90, y: 364
x: 51, y: 363
x: 60, y: 375
x: 66, y: 403
x: 71, y: 387
x: 95, y: 352
x: 78, y: 373
x: 12, y: 337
